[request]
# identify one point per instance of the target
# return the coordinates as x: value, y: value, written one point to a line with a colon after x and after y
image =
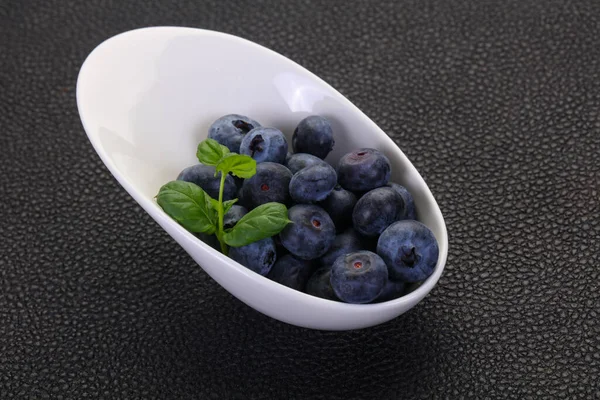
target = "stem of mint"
x: 195, y: 210
x: 221, y: 215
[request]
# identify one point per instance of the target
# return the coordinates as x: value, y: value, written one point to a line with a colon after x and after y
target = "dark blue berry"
x: 229, y: 130
x: 376, y: 210
x: 409, y: 249
x: 300, y: 161
x: 312, y: 184
x: 241, y: 198
x: 310, y: 234
x: 363, y: 169
x: 368, y: 242
x: 232, y: 216
x: 270, y: 184
x: 210, y: 240
x: 265, y: 144
x: 281, y: 251
x: 204, y: 176
x: 291, y: 271
x: 358, y: 277
x: 347, y: 242
x: 319, y: 284
x: 392, y: 290
x: 339, y: 205
x: 313, y: 135
x: 239, y: 182
x: 409, y: 203
x: 258, y: 256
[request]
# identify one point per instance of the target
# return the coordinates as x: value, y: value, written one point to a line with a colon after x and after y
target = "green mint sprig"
x: 197, y: 212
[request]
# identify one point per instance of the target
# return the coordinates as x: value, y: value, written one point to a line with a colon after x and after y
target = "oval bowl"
x: 146, y: 99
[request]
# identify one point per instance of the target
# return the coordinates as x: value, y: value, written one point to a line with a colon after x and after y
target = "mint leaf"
x: 264, y: 221
x: 188, y: 204
x: 240, y: 165
x: 210, y: 152
x: 213, y: 203
x: 226, y: 204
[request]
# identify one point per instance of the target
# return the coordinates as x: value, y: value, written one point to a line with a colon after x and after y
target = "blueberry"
x: 270, y: 183
x: 312, y: 184
x: 392, y: 290
x: 377, y: 210
x: 291, y: 272
x: 344, y: 243
x: 319, y: 284
x: 238, y: 182
x: 229, y: 130
x: 210, y: 240
x: 204, y: 176
x: 241, y: 199
x: 313, y: 135
x: 258, y: 256
x: 409, y: 249
x: 339, y: 205
x: 265, y: 144
x: 409, y: 202
x: 310, y: 234
x: 300, y: 161
x: 368, y: 242
x: 358, y: 277
x: 281, y: 251
x: 363, y: 169
x: 232, y: 216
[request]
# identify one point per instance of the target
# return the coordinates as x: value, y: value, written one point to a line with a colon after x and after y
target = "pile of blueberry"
x: 354, y: 236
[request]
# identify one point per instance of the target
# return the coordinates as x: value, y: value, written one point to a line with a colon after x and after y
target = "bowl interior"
x: 147, y: 98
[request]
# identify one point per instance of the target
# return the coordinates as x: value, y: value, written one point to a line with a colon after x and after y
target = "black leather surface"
x: 496, y: 103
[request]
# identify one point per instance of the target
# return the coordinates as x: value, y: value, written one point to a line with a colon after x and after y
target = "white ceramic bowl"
x: 146, y: 99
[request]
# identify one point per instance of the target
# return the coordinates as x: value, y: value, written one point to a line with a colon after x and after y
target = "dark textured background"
x: 496, y: 104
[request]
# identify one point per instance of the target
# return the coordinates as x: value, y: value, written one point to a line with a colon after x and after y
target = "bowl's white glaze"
x: 146, y: 99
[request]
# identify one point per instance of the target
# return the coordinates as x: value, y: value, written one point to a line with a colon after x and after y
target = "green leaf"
x: 210, y: 152
x: 264, y: 221
x: 226, y: 204
x: 213, y: 203
x: 188, y: 204
x: 239, y: 165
